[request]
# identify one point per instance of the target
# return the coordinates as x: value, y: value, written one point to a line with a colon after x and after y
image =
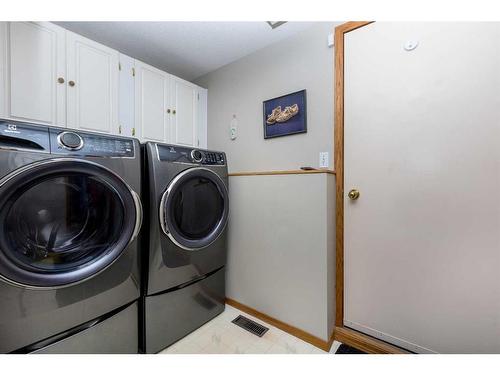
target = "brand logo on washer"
x: 11, y: 128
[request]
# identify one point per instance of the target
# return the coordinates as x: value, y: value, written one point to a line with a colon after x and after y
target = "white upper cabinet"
x: 167, y: 108
x: 35, y: 72
x: 3, y: 68
x: 184, y: 105
x: 92, y: 91
x: 151, y: 103
x: 126, y: 97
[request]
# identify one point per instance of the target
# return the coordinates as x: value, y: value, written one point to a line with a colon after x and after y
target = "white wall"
x: 301, y: 62
x: 281, y: 232
x: 281, y: 255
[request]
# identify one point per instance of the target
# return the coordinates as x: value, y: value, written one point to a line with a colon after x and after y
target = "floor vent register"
x: 249, y: 325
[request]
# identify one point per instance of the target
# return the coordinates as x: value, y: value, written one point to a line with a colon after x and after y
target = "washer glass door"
x: 63, y: 221
x: 194, y: 208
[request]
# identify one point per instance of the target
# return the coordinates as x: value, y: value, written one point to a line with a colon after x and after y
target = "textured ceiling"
x: 185, y: 49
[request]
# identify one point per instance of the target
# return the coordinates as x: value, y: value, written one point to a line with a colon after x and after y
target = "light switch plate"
x: 324, y: 159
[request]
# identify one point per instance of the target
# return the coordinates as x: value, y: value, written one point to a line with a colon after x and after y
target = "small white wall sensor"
x: 233, y: 128
x: 330, y: 40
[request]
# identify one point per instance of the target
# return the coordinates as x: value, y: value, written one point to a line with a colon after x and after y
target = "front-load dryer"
x: 183, y: 286
x: 70, y: 214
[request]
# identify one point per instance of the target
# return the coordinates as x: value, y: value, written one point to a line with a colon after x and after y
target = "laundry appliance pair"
x: 73, y: 258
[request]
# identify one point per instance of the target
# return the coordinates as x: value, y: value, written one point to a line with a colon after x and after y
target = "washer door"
x: 194, y: 208
x: 62, y: 221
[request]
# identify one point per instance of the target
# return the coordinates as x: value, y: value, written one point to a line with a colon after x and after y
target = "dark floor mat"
x: 346, y: 349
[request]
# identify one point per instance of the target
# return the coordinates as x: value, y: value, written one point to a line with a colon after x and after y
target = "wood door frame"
x: 344, y: 334
x: 338, y: 142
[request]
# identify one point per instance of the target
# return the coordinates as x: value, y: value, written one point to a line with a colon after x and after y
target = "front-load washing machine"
x: 70, y: 214
x: 183, y: 285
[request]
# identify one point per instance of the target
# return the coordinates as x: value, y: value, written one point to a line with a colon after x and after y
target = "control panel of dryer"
x: 190, y: 155
x: 76, y: 143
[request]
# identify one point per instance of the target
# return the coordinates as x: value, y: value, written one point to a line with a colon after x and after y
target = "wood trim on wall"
x: 343, y: 334
x: 294, y: 331
x: 365, y: 343
x: 272, y: 173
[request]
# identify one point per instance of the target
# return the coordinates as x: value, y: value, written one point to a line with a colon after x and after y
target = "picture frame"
x: 285, y: 115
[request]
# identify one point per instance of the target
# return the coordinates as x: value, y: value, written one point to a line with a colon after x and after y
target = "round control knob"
x: 197, y: 155
x: 70, y: 140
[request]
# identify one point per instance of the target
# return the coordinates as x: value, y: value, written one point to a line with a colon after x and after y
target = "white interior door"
x: 36, y: 53
x: 127, y: 96
x: 92, y: 91
x: 422, y: 145
x: 151, y: 100
x: 184, y: 112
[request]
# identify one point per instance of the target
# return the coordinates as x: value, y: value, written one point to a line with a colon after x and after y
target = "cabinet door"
x: 126, y: 106
x: 184, y: 112
x: 202, y: 117
x: 151, y: 99
x: 92, y: 91
x: 3, y: 68
x: 35, y: 63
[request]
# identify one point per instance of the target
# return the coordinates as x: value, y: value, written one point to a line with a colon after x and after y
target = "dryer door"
x: 63, y: 221
x: 194, y: 209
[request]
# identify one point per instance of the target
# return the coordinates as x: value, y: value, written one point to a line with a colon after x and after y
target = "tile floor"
x: 220, y: 336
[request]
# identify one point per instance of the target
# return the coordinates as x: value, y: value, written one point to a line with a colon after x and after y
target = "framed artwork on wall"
x: 285, y: 115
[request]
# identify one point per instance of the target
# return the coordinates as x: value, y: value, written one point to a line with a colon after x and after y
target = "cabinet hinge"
x: 133, y: 72
x: 133, y: 131
x: 198, y: 96
x: 119, y: 66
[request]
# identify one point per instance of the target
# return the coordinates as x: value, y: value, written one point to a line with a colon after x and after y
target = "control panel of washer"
x: 76, y: 143
x: 22, y: 136
x: 189, y: 155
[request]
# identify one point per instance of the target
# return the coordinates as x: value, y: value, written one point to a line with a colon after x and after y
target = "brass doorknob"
x: 353, y: 194
x: 71, y: 83
x: 60, y: 80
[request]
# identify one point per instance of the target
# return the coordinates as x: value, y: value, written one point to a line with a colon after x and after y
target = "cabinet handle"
x: 60, y: 80
x: 71, y: 83
x: 174, y: 112
x: 133, y: 131
x: 168, y: 110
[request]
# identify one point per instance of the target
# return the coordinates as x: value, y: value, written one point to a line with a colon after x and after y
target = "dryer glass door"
x: 194, y: 208
x: 63, y: 220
